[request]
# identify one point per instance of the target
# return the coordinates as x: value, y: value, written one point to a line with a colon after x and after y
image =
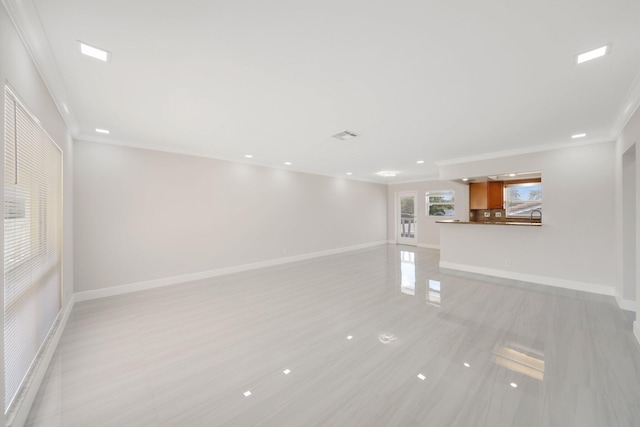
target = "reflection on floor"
x: 373, y: 337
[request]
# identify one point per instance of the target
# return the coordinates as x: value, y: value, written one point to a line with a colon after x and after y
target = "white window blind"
x: 32, y: 241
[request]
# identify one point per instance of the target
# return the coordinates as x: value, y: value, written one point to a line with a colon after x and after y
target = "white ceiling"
x: 417, y: 80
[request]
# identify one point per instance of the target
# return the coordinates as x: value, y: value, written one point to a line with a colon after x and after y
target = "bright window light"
x: 592, y: 54
x: 104, y: 131
x: 94, y: 52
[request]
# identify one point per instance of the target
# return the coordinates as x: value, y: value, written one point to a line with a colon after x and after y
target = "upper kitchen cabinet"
x: 486, y: 195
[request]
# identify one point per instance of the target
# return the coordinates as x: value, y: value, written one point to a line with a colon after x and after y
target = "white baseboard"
x: 636, y: 330
x: 625, y: 304
x: 543, y: 280
x: 19, y: 413
x: 391, y: 242
x: 166, y: 281
x: 428, y: 246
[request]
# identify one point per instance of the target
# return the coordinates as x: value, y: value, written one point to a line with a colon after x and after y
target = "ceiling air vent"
x: 344, y: 135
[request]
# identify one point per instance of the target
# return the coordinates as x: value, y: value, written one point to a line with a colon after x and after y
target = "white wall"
x: 428, y: 230
x: 19, y: 72
x: 574, y: 247
x: 626, y: 144
x: 144, y: 215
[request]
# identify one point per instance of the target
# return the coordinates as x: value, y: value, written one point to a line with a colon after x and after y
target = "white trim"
x: 628, y: 107
x: 166, y: 281
x: 428, y: 246
x: 391, y: 242
x: 543, y: 280
x: 202, y: 154
x: 18, y: 414
x: 426, y: 178
x: 636, y: 330
x: 25, y: 19
x: 625, y: 304
x: 519, y: 151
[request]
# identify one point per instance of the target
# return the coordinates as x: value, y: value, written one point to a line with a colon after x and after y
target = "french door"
x: 406, y: 218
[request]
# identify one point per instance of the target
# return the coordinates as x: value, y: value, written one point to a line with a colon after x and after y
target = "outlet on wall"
x: 498, y: 214
x: 487, y: 214
x: 507, y: 263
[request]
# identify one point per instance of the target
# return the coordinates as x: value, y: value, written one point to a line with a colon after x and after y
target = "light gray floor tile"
x: 185, y: 355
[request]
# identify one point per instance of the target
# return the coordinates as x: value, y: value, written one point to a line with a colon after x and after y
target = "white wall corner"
x: 190, y: 277
x: 19, y: 412
x: 531, y: 278
x: 625, y: 304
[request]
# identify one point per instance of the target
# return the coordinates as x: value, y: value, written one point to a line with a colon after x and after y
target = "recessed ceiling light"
x: 420, y: 162
x: 104, y: 131
x: 578, y: 135
x: 465, y: 179
x: 345, y: 134
x: 247, y: 393
x: 286, y: 371
x: 592, y: 54
x: 287, y: 163
x: 512, y: 174
x: 387, y: 173
x: 466, y: 365
x: 422, y: 377
x: 514, y: 385
x: 350, y: 337
x: 94, y: 52
x: 349, y: 173
x: 249, y: 156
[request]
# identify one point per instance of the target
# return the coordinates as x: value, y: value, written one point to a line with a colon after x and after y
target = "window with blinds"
x: 32, y: 241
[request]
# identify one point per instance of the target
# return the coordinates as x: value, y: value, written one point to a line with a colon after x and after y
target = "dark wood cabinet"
x: 486, y: 195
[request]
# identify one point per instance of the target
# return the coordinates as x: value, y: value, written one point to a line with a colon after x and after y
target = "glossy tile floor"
x: 368, y: 338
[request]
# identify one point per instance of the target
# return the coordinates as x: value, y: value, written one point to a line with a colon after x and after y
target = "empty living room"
x: 326, y: 213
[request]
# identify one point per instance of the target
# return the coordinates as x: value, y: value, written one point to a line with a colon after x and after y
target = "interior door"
x: 406, y: 224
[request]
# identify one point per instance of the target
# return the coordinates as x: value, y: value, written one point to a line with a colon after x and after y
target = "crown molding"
x: 25, y: 19
x: 629, y: 107
x: 150, y: 147
x: 426, y: 178
x: 520, y: 151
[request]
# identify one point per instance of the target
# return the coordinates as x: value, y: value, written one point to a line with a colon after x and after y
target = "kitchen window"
x: 440, y: 203
x: 523, y: 199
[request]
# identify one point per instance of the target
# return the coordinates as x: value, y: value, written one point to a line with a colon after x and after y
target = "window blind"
x: 32, y: 241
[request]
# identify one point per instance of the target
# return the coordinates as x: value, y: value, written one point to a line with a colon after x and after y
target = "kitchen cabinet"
x: 486, y: 195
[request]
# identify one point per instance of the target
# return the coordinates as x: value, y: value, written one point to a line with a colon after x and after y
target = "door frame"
x: 406, y: 240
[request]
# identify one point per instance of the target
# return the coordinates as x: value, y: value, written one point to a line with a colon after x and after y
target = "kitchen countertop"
x: 514, y: 223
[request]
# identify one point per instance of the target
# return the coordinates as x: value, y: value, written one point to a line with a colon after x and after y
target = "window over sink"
x: 523, y: 199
